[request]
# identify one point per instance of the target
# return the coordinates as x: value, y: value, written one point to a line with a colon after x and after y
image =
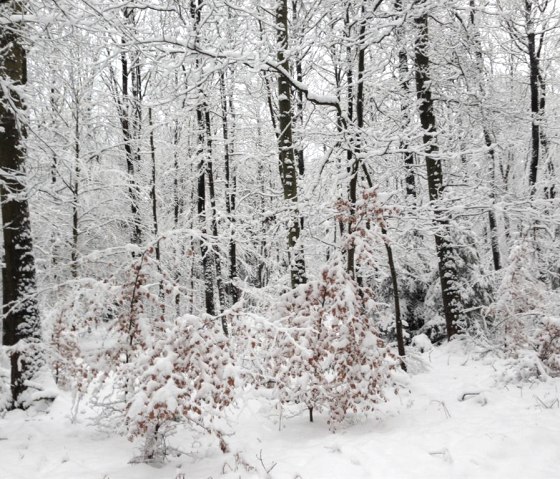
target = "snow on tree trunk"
x: 21, y: 323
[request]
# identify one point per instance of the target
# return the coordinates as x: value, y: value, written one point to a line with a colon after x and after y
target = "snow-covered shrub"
x: 522, y: 321
x: 149, y: 369
x: 422, y: 343
x: 165, y: 369
x: 548, y: 343
x: 187, y: 376
x: 519, y: 302
x: 326, y: 352
x: 65, y: 354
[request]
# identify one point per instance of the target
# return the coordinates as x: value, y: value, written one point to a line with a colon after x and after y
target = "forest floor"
x: 459, y: 420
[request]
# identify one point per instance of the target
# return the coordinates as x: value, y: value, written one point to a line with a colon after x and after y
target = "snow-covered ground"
x: 457, y: 422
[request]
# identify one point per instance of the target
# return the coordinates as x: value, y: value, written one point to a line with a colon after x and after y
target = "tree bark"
x: 410, y: 180
x: 213, y: 220
x: 230, y: 188
x: 492, y: 223
x: 352, y: 152
x: 127, y: 127
x: 288, y: 169
x: 534, y: 88
x: 21, y: 323
x: 446, y: 254
x: 299, y: 101
x: 76, y: 193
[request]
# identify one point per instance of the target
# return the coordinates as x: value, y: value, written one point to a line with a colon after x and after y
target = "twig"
x: 442, y: 404
x: 266, y: 469
x: 548, y: 406
x: 465, y: 395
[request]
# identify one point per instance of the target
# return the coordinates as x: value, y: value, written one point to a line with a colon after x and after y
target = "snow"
x: 422, y: 343
x: 458, y: 421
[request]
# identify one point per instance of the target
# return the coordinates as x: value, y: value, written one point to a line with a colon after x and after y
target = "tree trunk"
x: 131, y: 154
x: 21, y: 323
x: 76, y: 195
x: 214, y: 222
x: 399, y: 329
x: 299, y: 101
x: 492, y: 223
x: 201, y: 210
x: 410, y: 180
x: 288, y: 169
x: 446, y: 255
x: 204, y: 174
x: 352, y: 159
x: 230, y: 188
x: 534, y: 88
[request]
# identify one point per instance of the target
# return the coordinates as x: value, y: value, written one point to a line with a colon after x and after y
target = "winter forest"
x: 279, y: 238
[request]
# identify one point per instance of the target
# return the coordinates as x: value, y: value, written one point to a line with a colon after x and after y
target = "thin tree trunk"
x: 492, y: 223
x: 204, y: 143
x: 76, y: 195
x: 54, y: 108
x: 399, y: 328
x: 201, y: 210
x: 353, y: 161
x: 214, y: 221
x: 153, y: 189
x: 410, y: 180
x: 534, y: 88
x: 153, y: 199
x: 299, y: 101
x: 230, y: 189
x: 131, y: 157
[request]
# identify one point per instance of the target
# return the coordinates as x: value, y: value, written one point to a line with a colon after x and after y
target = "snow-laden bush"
x: 324, y: 349
x: 186, y: 375
x: 521, y: 320
x: 548, y: 343
x: 147, y: 368
x: 520, y: 299
x: 65, y: 354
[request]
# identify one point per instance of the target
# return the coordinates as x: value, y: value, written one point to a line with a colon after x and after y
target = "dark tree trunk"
x: 399, y: 328
x: 410, y: 180
x: 205, y: 251
x: 288, y: 168
x: 230, y: 189
x: 21, y: 323
x: 201, y: 210
x: 353, y: 161
x: 54, y: 108
x: 176, y: 193
x: 153, y: 189
x: 446, y: 255
x: 550, y: 188
x: 491, y: 214
x: 534, y: 87
x: 492, y: 223
x: 130, y: 150
x: 299, y: 100
x: 214, y: 221
x: 76, y: 195
x: 396, y: 301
